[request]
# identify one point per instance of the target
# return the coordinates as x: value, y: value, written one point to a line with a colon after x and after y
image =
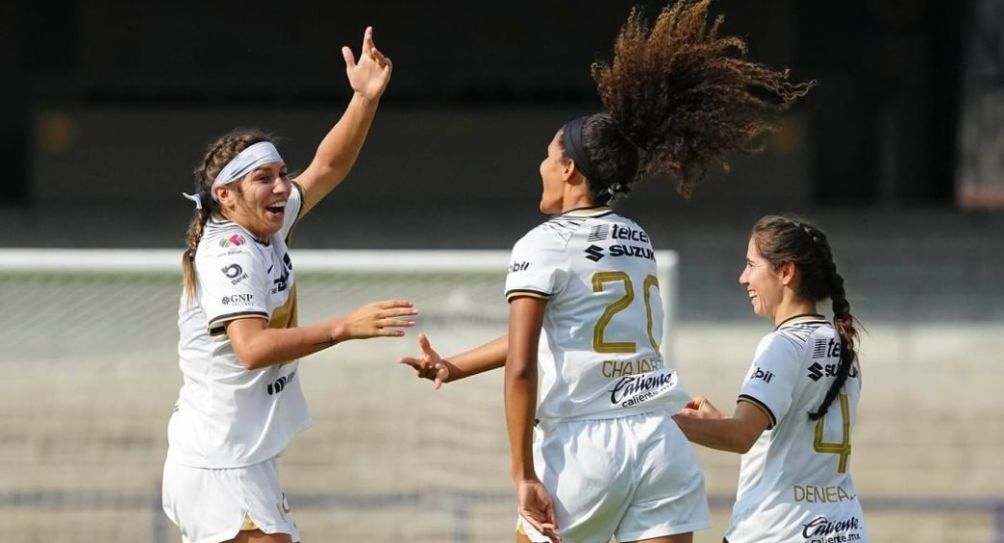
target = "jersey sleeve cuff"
x: 762, y: 406
x: 216, y: 325
x: 517, y: 293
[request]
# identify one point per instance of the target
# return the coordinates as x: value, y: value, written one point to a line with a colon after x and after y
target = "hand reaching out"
x: 379, y: 319
x: 429, y: 365
x: 368, y: 77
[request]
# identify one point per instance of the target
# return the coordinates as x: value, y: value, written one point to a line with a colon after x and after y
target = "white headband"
x: 254, y: 156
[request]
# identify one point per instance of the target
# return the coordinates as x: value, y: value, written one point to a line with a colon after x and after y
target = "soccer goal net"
x: 89, y: 356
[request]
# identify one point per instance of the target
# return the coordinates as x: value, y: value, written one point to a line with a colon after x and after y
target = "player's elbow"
x: 249, y: 362
x: 249, y: 358
x: 742, y: 446
x: 517, y: 370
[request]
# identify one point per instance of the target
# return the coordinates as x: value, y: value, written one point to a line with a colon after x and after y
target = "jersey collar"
x: 587, y: 211
x: 804, y: 318
x: 219, y: 221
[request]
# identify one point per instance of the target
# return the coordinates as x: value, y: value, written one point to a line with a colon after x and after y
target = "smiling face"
x: 763, y: 283
x: 258, y: 201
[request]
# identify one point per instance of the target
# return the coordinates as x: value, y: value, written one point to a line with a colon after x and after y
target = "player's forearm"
x: 338, y: 151
x: 520, y: 408
x: 480, y: 359
x: 271, y: 346
x: 525, y: 317
x: 724, y: 434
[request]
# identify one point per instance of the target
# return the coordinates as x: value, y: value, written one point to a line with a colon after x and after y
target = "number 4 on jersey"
x: 843, y: 448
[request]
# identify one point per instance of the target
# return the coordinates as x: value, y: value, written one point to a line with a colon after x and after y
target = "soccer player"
x: 589, y: 399
x: 798, y: 401
x: 241, y: 402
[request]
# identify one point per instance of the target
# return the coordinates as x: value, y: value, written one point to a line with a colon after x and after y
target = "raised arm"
x: 339, y: 149
x: 482, y: 358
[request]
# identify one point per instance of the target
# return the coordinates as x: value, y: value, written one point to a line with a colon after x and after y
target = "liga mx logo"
x: 235, y: 240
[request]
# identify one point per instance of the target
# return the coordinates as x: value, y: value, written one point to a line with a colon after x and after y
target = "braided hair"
x: 218, y: 154
x: 677, y: 97
x: 782, y: 239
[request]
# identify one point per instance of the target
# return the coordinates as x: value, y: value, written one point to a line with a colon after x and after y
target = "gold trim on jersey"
x: 517, y: 293
x: 284, y: 316
x: 216, y: 327
x: 762, y: 406
x: 248, y: 525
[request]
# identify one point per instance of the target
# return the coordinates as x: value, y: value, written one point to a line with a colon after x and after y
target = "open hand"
x: 368, y: 77
x: 379, y: 319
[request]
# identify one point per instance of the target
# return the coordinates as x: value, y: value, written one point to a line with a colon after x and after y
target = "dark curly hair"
x: 677, y: 98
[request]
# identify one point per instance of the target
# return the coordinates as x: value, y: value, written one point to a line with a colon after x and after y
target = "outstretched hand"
x: 429, y: 365
x: 368, y: 77
x: 379, y: 319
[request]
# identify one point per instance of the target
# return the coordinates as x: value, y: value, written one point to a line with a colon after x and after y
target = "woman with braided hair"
x: 241, y: 402
x: 589, y: 398
x: 799, y: 399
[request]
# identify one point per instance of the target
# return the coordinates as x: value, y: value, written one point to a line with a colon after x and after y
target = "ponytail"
x: 843, y: 323
x: 195, y: 229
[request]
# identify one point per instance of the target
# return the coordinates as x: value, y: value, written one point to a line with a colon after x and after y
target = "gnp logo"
x: 823, y: 530
x: 594, y: 253
x: 237, y: 299
x: 235, y: 240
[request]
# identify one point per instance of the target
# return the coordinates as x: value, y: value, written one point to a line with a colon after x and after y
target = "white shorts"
x: 631, y: 478
x: 212, y: 505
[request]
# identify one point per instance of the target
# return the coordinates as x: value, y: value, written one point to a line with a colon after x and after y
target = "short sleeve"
x: 293, y: 208
x: 538, y: 267
x: 770, y: 383
x: 232, y: 285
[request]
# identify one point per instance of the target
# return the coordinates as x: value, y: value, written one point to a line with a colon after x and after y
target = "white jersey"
x: 795, y: 482
x: 599, y: 346
x: 227, y: 416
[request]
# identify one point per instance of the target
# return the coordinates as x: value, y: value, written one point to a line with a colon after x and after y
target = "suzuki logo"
x: 594, y: 253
